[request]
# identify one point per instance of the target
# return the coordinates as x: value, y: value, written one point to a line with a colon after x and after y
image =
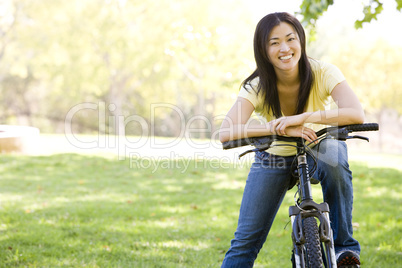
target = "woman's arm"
x: 349, y: 111
x: 236, y: 125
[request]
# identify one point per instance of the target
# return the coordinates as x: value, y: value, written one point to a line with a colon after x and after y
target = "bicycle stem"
x: 302, y: 169
x: 305, y: 186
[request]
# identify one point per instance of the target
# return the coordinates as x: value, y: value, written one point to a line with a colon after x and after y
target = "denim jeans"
x: 267, y: 183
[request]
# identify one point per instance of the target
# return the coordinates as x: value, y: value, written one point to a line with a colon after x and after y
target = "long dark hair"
x: 265, y: 71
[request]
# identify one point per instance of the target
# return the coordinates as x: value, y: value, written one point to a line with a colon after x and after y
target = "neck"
x: 288, y: 78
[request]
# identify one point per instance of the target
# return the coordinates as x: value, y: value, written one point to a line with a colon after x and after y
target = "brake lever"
x: 343, y: 135
x: 247, y: 152
x: 340, y: 134
x: 358, y: 137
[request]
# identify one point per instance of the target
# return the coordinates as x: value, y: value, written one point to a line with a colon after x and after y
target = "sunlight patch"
x: 232, y: 185
x: 179, y: 244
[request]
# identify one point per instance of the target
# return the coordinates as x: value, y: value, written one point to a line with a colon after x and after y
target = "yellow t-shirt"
x: 326, y: 77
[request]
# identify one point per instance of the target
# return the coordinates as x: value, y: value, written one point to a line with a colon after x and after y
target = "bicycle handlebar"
x: 350, y: 128
x: 340, y: 133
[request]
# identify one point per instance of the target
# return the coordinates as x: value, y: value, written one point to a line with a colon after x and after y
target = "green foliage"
x: 370, y: 12
x: 124, y: 57
x: 73, y: 210
x: 128, y: 54
x: 313, y: 9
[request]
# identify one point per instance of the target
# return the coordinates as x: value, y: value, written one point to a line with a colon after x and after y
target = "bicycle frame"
x: 308, y: 208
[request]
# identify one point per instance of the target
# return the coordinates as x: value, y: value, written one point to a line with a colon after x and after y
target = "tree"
x: 124, y: 55
x: 206, y: 49
x: 80, y: 51
x: 313, y: 9
x: 7, y: 23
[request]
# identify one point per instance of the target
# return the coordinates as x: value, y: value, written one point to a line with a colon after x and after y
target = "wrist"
x: 306, y: 116
x: 269, y: 127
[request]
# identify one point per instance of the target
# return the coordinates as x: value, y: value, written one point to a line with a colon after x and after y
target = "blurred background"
x: 169, y: 67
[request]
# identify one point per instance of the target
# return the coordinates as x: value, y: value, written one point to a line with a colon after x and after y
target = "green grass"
x: 73, y: 210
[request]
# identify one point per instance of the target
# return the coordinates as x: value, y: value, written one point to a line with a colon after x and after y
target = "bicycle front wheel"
x: 313, y: 244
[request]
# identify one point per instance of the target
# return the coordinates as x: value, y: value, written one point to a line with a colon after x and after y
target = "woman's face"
x: 283, y: 48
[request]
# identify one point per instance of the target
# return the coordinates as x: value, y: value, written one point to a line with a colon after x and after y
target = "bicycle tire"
x: 313, y: 244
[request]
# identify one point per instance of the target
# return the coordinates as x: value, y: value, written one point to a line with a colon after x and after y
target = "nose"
x: 284, y: 47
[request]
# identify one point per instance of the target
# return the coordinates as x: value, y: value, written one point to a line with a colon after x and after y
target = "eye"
x: 292, y: 39
x: 274, y: 43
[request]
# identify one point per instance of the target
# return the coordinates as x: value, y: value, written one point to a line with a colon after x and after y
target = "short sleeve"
x: 249, y: 92
x: 331, y: 76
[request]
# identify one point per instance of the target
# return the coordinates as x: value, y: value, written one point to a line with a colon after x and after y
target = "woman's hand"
x: 279, y: 126
x: 304, y: 132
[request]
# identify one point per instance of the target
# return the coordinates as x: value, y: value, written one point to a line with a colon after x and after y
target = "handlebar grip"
x: 363, y: 127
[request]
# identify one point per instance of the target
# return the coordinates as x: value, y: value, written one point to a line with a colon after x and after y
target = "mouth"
x: 288, y: 57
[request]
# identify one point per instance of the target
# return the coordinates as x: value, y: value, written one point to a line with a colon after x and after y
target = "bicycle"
x: 313, y: 244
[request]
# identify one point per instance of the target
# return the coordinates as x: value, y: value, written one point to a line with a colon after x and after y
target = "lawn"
x: 72, y: 210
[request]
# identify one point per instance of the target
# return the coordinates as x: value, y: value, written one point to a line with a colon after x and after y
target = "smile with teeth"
x: 286, y: 57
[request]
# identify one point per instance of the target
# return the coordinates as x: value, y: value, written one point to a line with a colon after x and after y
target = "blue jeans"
x: 267, y: 183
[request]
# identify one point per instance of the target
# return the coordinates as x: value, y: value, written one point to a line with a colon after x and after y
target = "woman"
x: 290, y: 93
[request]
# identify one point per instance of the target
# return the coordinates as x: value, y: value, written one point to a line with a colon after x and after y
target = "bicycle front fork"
x: 325, y: 234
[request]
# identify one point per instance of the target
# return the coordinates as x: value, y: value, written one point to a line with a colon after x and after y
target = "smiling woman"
x: 290, y: 92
